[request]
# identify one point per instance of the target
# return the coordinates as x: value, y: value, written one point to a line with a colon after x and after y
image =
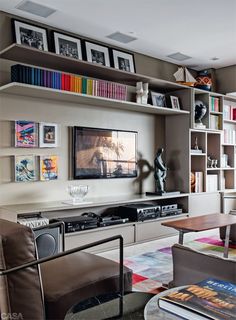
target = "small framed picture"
x: 158, y: 99
x: 48, y: 168
x: 26, y: 134
x: 25, y: 169
x: 67, y: 46
x: 174, y: 102
x: 48, y: 135
x: 123, y: 61
x: 97, y: 54
x: 29, y: 35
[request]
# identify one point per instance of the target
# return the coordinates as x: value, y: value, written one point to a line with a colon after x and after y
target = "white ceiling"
x: 201, y: 29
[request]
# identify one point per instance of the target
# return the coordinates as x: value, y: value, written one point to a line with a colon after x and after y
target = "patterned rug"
x: 153, y: 269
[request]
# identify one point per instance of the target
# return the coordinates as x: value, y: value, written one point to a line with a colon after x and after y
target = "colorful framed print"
x: 48, y: 135
x: 67, y: 46
x: 97, y: 54
x: 48, y: 168
x: 26, y: 134
x: 30, y: 35
x: 25, y: 170
x: 174, y: 102
x: 123, y: 61
x: 158, y: 99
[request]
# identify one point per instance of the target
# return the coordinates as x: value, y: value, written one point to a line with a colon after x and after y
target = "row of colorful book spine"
x: 229, y: 112
x: 68, y: 82
x: 215, y: 104
x: 229, y: 136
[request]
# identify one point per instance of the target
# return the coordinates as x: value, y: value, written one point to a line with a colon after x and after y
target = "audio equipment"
x: 47, y: 241
x: 111, y: 220
x: 78, y: 223
x: 139, y: 211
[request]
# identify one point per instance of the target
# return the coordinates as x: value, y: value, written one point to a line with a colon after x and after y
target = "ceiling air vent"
x: 179, y: 56
x: 121, y: 37
x: 35, y: 8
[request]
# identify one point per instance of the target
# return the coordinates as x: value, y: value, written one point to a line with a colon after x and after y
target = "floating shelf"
x: 68, y: 96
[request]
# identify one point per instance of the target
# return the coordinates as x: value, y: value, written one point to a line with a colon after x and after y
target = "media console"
x: 132, y: 231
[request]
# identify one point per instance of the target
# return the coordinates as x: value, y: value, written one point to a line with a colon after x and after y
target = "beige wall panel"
x: 205, y: 203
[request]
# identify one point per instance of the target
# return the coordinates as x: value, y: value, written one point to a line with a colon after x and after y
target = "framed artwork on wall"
x: 30, y: 35
x: 174, y: 102
x: 97, y: 54
x: 26, y: 134
x: 25, y: 170
x: 48, y: 168
x: 48, y: 135
x: 158, y: 99
x: 123, y: 61
x: 67, y: 46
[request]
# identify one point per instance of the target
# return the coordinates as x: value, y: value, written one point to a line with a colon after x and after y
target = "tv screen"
x: 103, y: 153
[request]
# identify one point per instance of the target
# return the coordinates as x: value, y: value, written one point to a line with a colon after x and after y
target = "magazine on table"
x: 208, y: 299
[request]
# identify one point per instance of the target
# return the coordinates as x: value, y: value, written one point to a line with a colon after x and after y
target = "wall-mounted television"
x: 104, y: 153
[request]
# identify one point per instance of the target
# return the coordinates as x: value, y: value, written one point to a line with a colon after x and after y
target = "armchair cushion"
x: 20, y: 292
x: 71, y: 279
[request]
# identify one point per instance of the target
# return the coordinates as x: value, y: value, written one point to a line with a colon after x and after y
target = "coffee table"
x: 106, y: 306
x: 203, y: 223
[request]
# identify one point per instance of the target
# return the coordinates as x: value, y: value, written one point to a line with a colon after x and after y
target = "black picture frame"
x: 30, y: 35
x: 67, y: 45
x: 99, y: 153
x: 123, y: 60
x: 158, y: 99
x: 97, y: 53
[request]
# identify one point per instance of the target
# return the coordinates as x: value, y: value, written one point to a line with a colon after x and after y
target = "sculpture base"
x: 199, y: 126
x: 159, y: 193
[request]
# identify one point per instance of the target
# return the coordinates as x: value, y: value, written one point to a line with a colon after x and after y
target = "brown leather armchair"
x: 46, y: 288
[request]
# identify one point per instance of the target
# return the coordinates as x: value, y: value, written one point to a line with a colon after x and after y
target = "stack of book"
x: 209, y: 299
x: 211, y: 182
x: 214, y: 122
x: 198, y: 181
x: 68, y: 82
x: 215, y: 104
x: 229, y: 112
x: 229, y: 136
x: 33, y: 221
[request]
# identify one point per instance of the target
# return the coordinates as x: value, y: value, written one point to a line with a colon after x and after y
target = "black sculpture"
x: 159, y: 172
x: 200, y: 111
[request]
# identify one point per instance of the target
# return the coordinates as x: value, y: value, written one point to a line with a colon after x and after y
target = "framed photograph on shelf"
x: 48, y: 135
x: 97, y: 54
x: 67, y: 46
x: 48, y: 168
x: 123, y: 61
x: 30, y: 35
x: 158, y: 99
x: 26, y: 134
x: 25, y: 169
x: 174, y: 102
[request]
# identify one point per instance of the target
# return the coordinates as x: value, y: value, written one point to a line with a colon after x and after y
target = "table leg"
x: 181, y: 237
x: 226, y: 247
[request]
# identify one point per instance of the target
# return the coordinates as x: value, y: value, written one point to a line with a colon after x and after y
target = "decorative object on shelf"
x: 48, y: 168
x: 77, y: 192
x: 26, y: 134
x: 67, y: 46
x: 224, y: 161
x: 30, y: 35
x: 25, y: 169
x: 192, y: 181
x: 211, y: 163
x: 160, y: 171
x: 97, y: 54
x: 48, y: 135
x: 200, y: 110
x: 203, y: 81
x: 175, y: 102
x: 158, y: 99
x: 141, y: 92
x: 195, y: 148
x: 183, y: 76
x: 104, y: 153
x: 123, y: 61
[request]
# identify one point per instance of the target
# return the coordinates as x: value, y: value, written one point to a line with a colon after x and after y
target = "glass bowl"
x: 77, y: 192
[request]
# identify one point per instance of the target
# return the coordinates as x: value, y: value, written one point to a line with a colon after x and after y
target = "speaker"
x: 47, y: 241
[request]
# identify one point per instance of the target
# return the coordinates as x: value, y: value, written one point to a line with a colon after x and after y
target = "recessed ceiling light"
x: 35, y: 8
x: 121, y: 37
x: 215, y: 58
x: 179, y: 56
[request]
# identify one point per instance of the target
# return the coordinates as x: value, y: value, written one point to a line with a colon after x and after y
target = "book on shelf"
x: 211, y: 182
x: 229, y: 112
x: 214, y: 122
x: 229, y: 136
x: 33, y: 220
x: 208, y: 299
x: 215, y: 104
x: 198, y: 181
x: 68, y: 82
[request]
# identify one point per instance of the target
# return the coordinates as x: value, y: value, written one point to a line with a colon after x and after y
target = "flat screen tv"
x: 104, y: 153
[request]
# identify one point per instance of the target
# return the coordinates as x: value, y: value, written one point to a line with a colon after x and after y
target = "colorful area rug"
x: 153, y: 269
